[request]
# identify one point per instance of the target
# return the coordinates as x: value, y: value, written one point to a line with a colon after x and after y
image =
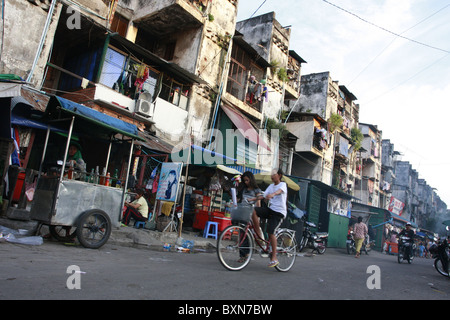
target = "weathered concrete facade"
x: 18, y: 52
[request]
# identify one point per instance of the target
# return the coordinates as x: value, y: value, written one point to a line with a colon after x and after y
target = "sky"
x: 393, y: 55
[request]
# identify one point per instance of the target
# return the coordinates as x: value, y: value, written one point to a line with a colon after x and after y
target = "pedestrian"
x: 360, y: 231
x: 421, y: 250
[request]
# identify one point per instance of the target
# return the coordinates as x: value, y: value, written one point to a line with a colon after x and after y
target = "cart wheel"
x: 63, y: 233
x: 93, y: 228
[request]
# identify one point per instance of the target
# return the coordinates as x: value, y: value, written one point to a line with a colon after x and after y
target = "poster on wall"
x: 396, y: 206
x: 169, y: 181
x: 338, y: 206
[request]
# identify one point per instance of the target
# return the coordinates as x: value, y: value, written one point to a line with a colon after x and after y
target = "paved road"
x: 115, y: 272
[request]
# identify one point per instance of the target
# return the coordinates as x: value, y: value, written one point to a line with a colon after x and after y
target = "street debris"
x: 19, y: 237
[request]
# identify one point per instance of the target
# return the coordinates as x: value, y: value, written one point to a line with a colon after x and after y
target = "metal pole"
x: 67, y: 149
x: 43, y: 37
x: 109, y: 154
x: 44, y: 152
x: 126, y: 180
x: 184, y: 190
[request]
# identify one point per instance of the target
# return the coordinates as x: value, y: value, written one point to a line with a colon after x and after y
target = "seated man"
x: 138, y: 209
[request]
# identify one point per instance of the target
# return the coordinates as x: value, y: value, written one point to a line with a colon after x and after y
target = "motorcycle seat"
x: 322, y: 234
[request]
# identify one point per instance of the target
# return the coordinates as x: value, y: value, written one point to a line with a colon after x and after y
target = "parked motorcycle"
x: 440, y: 253
x: 315, y: 240
x: 351, y: 247
x: 406, y: 249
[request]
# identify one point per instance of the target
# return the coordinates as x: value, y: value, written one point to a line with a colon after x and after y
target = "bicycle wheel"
x: 286, y: 250
x: 235, y: 247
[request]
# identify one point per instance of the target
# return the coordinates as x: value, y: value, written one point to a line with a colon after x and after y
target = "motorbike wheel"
x: 440, y: 268
x: 322, y: 249
x: 302, y: 244
x: 350, y: 249
x: 412, y: 254
x: 400, y: 255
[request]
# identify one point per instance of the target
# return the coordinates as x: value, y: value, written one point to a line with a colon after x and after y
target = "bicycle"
x: 236, y: 243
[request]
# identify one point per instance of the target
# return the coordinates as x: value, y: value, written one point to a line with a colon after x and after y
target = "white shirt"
x: 278, y: 203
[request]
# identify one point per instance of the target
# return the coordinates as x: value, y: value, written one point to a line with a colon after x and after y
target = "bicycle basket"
x: 242, y: 212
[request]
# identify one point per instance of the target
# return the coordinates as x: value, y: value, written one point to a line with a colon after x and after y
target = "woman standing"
x: 360, y: 231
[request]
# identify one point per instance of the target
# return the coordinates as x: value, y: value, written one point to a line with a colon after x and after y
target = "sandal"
x: 273, y: 263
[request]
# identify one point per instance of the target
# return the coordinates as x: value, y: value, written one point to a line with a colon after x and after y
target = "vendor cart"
x: 81, y: 208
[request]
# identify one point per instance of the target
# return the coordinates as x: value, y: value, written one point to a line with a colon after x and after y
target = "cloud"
x: 402, y: 87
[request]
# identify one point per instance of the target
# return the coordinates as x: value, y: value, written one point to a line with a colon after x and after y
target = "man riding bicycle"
x: 276, y: 193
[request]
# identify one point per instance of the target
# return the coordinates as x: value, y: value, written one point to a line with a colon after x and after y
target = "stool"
x: 213, y: 233
x: 138, y: 224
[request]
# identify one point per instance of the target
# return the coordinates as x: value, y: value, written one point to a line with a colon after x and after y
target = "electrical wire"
x: 386, y: 30
x: 382, y: 51
x: 410, y: 78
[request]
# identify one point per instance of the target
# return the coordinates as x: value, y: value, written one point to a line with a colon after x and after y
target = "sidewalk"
x: 129, y: 236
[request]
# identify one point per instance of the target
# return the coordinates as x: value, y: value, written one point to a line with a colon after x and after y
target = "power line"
x: 382, y: 51
x: 386, y: 30
x: 415, y: 75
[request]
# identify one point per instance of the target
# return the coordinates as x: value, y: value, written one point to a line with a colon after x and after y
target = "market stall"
x: 67, y: 197
x: 210, y: 193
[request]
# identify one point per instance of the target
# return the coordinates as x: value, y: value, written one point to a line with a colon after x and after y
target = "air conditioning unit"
x: 144, y: 105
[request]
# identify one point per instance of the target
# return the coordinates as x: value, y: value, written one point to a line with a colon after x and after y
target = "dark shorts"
x: 274, y: 218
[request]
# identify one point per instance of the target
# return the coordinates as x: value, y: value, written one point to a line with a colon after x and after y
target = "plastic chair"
x: 138, y: 224
x: 215, y: 228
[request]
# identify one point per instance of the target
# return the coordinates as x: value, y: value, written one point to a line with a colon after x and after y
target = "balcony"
x: 311, y: 137
x: 163, y: 17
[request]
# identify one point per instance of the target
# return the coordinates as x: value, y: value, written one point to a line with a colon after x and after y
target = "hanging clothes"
x: 142, y: 76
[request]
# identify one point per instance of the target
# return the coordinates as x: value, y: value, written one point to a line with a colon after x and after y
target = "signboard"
x: 396, y: 206
x: 338, y: 206
x: 169, y: 181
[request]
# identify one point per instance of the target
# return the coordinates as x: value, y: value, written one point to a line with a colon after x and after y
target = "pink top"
x: 360, y: 230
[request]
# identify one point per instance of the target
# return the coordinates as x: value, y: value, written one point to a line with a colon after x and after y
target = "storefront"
x: 376, y: 219
x: 326, y: 207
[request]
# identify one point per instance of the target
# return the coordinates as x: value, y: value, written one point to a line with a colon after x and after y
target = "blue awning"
x: 20, y: 121
x: 107, y: 122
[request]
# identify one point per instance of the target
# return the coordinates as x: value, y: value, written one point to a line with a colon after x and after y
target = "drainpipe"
x: 43, y: 37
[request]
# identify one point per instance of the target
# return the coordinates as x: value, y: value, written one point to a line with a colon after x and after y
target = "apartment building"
x: 322, y: 120
x: 367, y: 187
x: 263, y: 74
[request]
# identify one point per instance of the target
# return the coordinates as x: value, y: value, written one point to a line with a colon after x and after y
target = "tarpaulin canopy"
x: 100, y: 120
x: 20, y: 121
x: 266, y: 179
x: 245, y: 127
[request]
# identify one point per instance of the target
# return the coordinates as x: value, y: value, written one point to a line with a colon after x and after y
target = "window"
x: 121, y: 72
x: 175, y: 92
x: 120, y: 25
x: 112, y: 67
x: 245, y: 75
